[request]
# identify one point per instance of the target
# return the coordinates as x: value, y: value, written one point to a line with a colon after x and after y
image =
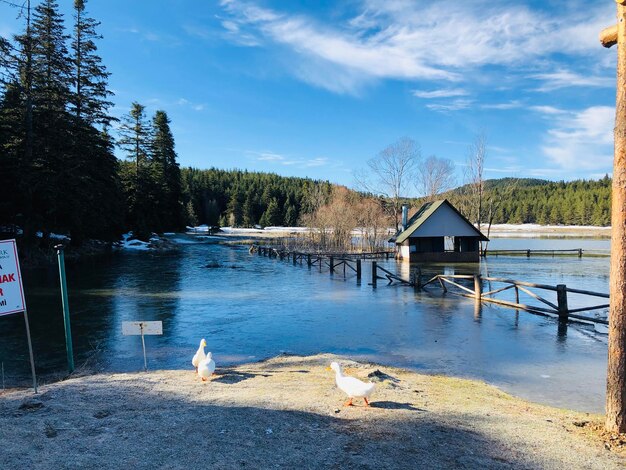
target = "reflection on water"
x: 250, y: 307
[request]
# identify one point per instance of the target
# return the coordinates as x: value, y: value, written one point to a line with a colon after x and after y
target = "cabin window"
x: 449, y: 244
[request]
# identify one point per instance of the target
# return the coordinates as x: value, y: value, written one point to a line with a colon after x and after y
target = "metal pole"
x: 30, y: 351
x: 143, y: 345
x: 66, y: 310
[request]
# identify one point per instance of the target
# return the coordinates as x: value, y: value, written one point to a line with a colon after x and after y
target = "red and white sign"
x: 11, y: 290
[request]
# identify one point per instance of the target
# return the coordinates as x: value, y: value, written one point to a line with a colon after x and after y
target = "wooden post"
x: 580, y: 252
x: 616, y: 366
x: 374, y: 274
x: 478, y: 287
x: 332, y: 265
x: 358, y: 270
x: 527, y: 253
x: 516, y: 295
x: 294, y: 258
x: 561, y: 300
x: 308, y: 260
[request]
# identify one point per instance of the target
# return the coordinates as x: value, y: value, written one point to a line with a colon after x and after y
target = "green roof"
x: 422, y: 216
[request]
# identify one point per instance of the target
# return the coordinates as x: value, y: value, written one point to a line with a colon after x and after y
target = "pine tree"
x: 235, y: 212
x: 164, y: 158
x: 51, y: 82
x: 92, y: 150
x: 136, y: 177
x: 248, y: 211
x: 272, y: 215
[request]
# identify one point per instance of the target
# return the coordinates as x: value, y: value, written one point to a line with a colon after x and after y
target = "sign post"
x: 142, y: 328
x: 12, y: 292
x: 66, y: 309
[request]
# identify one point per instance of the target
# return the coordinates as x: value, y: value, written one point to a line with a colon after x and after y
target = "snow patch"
x: 130, y: 243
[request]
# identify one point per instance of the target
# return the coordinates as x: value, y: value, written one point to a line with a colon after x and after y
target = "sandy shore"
x: 287, y: 413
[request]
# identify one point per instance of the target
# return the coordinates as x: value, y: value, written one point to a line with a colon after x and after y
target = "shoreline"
x: 497, y: 231
x: 286, y: 411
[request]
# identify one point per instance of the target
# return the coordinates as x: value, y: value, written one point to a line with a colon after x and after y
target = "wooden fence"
x: 559, y: 307
x: 578, y: 252
x: 464, y: 285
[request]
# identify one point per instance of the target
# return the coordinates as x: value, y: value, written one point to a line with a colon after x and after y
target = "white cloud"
x: 582, y: 140
x: 454, y: 105
x: 565, y: 78
x: 186, y: 103
x: 549, y: 110
x: 267, y: 156
x: 503, y: 106
x: 443, y: 93
x: 408, y: 40
x: 270, y: 157
x: 321, y: 161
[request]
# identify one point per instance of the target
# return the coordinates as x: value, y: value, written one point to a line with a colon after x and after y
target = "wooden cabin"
x: 438, y: 232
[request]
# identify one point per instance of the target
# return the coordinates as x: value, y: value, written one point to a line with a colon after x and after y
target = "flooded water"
x: 250, y: 307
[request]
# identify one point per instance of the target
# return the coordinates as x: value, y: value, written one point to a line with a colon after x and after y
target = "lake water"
x: 250, y: 307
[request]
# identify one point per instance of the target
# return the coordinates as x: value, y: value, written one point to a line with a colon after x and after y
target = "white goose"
x: 206, y: 368
x: 199, y: 356
x: 352, y: 386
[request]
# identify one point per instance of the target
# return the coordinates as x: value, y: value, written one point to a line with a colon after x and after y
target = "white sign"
x: 11, y: 290
x: 142, y: 328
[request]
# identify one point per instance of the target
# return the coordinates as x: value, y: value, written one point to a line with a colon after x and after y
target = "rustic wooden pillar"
x: 295, y: 258
x: 332, y: 265
x: 358, y: 270
x: 580, y: 252
x: 308, y: 260
x: 527, y: 253
x: 478, y: 287
x: 374, y: 274
x: 516, y: 295
x: 561, y: 301
x: 616, y: 367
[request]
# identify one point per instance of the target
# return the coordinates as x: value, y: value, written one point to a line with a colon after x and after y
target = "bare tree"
x: 435, y: 176
x: 475, y: 180
x: 494, y: 200
x: 391, y: 172
x: 373, y: 223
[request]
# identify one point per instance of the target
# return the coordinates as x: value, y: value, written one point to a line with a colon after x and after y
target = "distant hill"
x: 503, y: 183
x: 529, y: 200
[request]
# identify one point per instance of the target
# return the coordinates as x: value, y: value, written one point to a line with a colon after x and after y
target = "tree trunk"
x: 616, y: 370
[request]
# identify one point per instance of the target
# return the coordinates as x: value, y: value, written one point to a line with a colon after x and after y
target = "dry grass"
x: 286, y: 412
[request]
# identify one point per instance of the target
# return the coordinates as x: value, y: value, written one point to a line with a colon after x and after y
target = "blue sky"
x: 315, y: 88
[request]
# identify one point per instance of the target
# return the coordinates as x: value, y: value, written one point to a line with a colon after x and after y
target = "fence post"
x: 332, y: 265
x: 374, y: 275
x: 417, y: 279
x: 516, y: 295
x: 308, y: 260
x: 561, y: 299
x: 294, y: 258
x: 358, y: 270
x: 478, y: 286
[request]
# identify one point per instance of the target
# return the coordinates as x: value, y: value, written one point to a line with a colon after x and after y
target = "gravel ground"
x: 286, y: 413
